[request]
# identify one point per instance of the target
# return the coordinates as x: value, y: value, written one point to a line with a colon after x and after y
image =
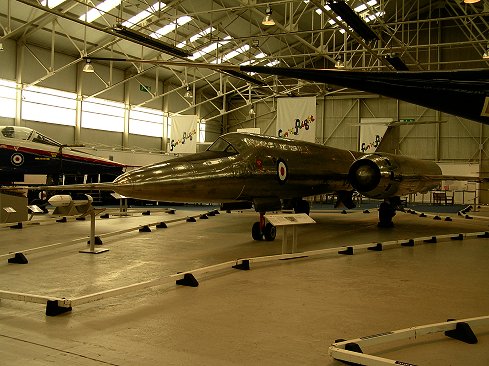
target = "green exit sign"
x: 145, y: 88
x: 406, y: 120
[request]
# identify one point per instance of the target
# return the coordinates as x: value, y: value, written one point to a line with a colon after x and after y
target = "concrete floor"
x: 278, y: 313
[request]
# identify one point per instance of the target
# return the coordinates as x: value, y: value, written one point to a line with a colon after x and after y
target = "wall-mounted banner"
x: 184, y: 134
x: 296, y: 118
x: 372, y: 131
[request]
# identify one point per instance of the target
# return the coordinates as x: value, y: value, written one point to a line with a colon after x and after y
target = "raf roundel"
x: 17, y: 159
x: 282, y: 171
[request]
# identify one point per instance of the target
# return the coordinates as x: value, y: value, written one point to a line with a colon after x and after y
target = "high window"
x: 7, y: 98
x: 101, y: 114
x: 146, y: 121
x: 49, y: 105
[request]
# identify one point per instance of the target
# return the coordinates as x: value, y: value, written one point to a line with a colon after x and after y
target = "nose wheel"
x: 261, y: 231
x: 386, y: 212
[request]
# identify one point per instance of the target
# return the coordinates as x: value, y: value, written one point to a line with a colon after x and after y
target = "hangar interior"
x: 279, y: 312
x: 44, y: 44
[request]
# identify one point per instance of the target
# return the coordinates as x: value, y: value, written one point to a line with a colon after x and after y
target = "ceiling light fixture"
x: 188, y: 93
x: 339, y: 64
x: 485, y: 55
x: 88, y: 67
x: 268, y: 20
x: 471, y: 1
x: 252, y: 112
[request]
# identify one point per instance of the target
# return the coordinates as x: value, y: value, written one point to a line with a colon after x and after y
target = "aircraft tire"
x: 386, y: 213
x: 270, y: 232
x: 256, y: 233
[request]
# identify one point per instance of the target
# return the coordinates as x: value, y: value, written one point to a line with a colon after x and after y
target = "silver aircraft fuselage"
x: 249, y: 167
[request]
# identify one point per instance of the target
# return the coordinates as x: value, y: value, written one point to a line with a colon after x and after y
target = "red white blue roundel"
x: 282, y: 172
x: 17, y: 159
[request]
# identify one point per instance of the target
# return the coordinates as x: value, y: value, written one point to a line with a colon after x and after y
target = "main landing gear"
x: 266, y: 231
x: 262, y: 230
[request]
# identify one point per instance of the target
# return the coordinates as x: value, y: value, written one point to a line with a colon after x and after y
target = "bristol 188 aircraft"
x: 268, y: 171
x: 25, y: 151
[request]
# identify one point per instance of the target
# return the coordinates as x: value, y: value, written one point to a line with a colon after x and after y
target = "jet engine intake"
x: 385, y: 175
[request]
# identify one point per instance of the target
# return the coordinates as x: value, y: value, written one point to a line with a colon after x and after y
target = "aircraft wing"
x: 397, y: 123
x: 66, y: 187
x: 459, y: 178
x: 463, y: 93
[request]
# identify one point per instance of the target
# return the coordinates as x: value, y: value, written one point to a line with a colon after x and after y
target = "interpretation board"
x: 35, y: 209
x: 289, y: 219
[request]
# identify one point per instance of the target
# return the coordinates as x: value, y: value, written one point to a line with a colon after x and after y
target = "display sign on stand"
x: 290, y: 220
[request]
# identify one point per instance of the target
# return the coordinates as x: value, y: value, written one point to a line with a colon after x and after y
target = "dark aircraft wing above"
x: 463, y: 93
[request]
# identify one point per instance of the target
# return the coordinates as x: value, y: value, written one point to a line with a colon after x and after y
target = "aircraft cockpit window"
x: 221, y: 145
x: 41, y: 139
x: 8, y: 132
x: 19, y: 133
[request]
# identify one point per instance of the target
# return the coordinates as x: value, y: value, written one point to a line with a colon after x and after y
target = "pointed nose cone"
x: 148, y: 182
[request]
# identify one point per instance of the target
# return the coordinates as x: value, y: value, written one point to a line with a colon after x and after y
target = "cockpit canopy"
x: 26, y: 134
x: 222, y: 146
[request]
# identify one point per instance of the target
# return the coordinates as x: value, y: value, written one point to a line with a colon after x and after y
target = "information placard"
x: 289, y: 219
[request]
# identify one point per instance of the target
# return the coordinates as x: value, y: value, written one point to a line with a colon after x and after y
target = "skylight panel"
x: 99, y: 10
x: 273, y: 63
x: 358, y: 9
x: 51, y: 3
x: 144, y: 14
x: 231, y: 54
x: 171, y: 27
x: 197, y: 36
x: 246, y: 63
x: 363, y: 7
x: 374, y: 16
x: 320, y: 11
x: 257, y: 59
x: 202, y: 34
x: 210, y: 48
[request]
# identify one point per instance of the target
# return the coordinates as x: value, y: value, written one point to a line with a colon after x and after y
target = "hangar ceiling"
x: 392, y: 34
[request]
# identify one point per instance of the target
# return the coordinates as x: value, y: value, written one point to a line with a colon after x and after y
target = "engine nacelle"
x: 386, y: 175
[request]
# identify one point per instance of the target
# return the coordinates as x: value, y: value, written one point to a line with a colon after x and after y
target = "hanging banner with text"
x: 372, y: 131
x: 296, y: 118
x: 183, y: 134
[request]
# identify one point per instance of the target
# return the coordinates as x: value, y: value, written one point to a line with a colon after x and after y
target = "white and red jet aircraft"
x: 26, y: 151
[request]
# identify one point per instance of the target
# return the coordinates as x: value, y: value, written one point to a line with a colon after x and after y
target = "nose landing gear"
x: 262, y: 230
